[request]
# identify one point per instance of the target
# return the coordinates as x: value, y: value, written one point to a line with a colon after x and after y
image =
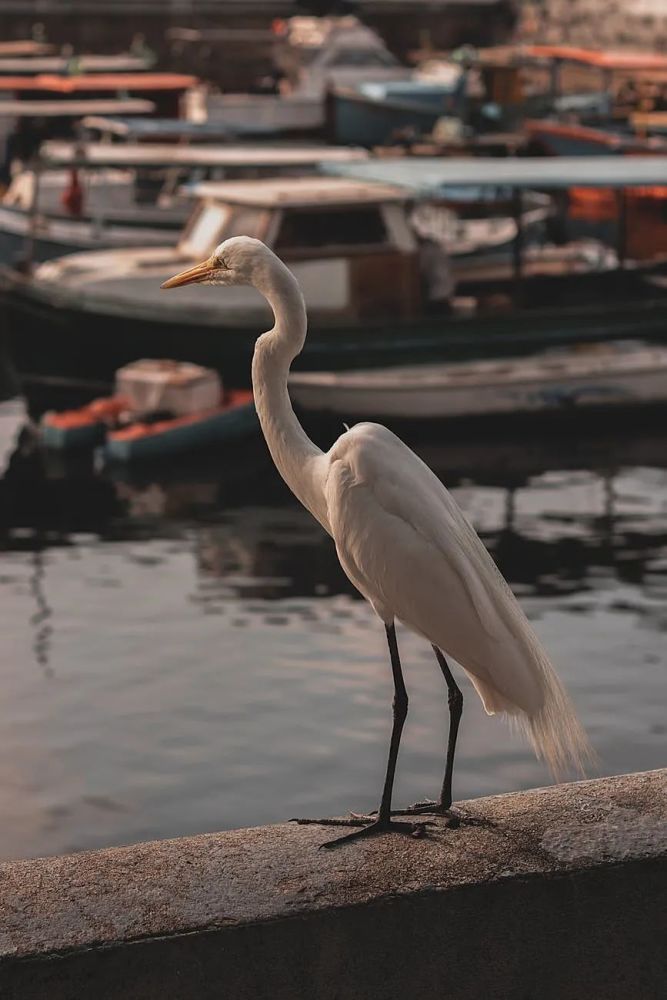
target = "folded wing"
x: 407, y: 546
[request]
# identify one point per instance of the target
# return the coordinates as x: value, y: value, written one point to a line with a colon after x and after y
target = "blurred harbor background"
x: 181, y: 651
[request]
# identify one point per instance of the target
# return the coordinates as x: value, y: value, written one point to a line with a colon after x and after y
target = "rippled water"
x: 184, y: 653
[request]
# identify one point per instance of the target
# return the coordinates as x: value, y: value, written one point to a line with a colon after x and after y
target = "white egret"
x: 405, y: 545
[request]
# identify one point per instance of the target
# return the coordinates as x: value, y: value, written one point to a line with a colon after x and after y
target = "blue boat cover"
x: 428, y: 175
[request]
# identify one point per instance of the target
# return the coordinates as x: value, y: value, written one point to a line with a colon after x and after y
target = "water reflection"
x: 40, y: 619
x: 208, y: 663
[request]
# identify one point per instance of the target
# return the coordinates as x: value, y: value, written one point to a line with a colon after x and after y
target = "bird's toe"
x: 379, y: 826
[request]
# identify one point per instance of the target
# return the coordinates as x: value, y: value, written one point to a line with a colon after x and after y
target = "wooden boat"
x: 605, y: 375
x: 164, y: 90
x: 339, y: 236
x: 311, y: 55
x: 377, y: 114
x: 359, y: 264
x: 159, y: 409
x: 127, y: 192
x: 343, y: 239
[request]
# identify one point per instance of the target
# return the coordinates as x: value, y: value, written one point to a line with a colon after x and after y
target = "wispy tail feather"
x: 556, y: 734
x: 553, y: 729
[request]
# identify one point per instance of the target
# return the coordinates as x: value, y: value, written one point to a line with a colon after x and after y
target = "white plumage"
x: 406, y: 545
x: 401, y: 539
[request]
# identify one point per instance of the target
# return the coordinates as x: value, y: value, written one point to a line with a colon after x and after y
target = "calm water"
x: 184, y: 654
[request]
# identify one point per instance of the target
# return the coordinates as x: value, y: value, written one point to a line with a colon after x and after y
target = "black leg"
x: 400, y: 711
x: 455, y: 701
x: 383, y: 822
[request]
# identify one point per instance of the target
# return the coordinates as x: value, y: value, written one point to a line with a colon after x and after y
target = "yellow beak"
x: 200, y: 272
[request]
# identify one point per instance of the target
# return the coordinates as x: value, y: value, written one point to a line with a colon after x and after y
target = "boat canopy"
x: 300, y: 217
x: 56, y: 154
x: 279, y: 192
x: 25, y: 47
x: 515, y: 55
x: 75, y: 109
x: 30, y: 66
x: 428, y: 175
x: 100, y: 82
x: 167, y: 129
x: 608, y: 59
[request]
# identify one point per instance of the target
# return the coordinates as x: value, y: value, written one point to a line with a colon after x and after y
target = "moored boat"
x: 374, y: 296
x: 82, y: 428
x: 95, y: 195
x: 311, y: 55
x: 159, y: 409
x: 377, y: 114
x: 584, y: 376
x: 234, y: 418
x: 338, y: 236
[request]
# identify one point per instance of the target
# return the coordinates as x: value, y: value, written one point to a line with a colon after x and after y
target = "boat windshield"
x: 214, y: 222
x: 305, y: 229
x: 202, y: 234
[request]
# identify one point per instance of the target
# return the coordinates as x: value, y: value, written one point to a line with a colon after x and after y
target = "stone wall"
x: 598, y: 24
x: 553, y: 894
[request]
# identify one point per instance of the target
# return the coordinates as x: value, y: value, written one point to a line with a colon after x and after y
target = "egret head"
x: 240, y: 260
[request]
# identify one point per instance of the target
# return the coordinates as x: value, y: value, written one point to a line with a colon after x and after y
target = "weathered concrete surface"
x: 552, y: 894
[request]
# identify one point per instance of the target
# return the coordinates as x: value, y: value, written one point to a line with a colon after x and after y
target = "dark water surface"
x: 183, y: 653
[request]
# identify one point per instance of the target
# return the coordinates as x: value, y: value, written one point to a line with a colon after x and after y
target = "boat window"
x: 203, y: 233
x: 362, y: 58
x: 307, y: 56
x: 305, y: 228
x: 243, y: 222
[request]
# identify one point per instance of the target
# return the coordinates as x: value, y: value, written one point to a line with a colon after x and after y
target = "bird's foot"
x: 366, y: 826
x: 455, y: 817
x: 430, y: 808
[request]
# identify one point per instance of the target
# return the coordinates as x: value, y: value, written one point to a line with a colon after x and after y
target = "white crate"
x: 177, y: 386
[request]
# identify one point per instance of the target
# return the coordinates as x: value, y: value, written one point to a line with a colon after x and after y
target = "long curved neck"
x: 295, y: 455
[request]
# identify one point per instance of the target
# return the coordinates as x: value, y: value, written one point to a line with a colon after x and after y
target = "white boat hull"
x: 54, y: 237
x: 270, y: 111
x: 608, y: 378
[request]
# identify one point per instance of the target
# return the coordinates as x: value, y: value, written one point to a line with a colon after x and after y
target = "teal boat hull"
x: 363, y: 121
x: 229, y: 425
x: 72, y: 438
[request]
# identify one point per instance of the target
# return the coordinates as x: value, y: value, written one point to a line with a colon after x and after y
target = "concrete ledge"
x: 554, y: 893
